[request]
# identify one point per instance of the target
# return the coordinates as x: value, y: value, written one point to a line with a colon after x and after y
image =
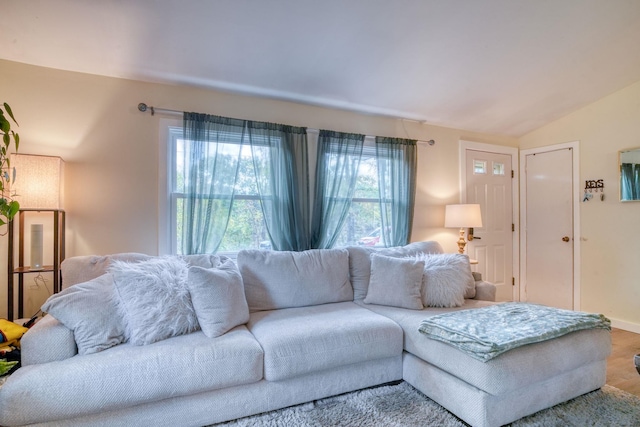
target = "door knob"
x: 566, y: 239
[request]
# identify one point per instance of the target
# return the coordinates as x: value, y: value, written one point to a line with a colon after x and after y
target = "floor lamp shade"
x: 39, y: 181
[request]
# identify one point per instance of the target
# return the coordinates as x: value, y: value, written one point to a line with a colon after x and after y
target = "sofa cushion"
x: 218, y: 298
x: 302, y: 340
x: 274, y: 279
x: 79, y: 269
x: 360, y: 261
x: 125, y: 376
x: 89, y: 311
x: 153, y: 299
x: 396, y: 282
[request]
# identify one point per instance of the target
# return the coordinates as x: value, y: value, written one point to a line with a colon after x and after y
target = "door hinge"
x: 513, y: 227
x: 512, y: 174
x: 513, y: 281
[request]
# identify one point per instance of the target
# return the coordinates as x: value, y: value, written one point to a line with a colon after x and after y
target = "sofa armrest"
x: 47, y: 341
x: 485, y: 291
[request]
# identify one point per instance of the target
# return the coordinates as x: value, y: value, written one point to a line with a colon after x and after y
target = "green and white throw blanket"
x: 487, y: 332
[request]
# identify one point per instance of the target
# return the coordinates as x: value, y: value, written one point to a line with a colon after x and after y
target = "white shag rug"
x: 401, y: 405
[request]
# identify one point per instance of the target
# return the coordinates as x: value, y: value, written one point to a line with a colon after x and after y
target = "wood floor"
x: 621, y: 371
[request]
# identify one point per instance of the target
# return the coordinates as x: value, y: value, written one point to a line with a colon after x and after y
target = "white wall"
x: 111, y: 151
x: 610, y: 252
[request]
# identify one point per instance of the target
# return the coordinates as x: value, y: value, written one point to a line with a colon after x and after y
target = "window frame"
x: 170, y: 131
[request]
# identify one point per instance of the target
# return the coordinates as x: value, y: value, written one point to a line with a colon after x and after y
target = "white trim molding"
x: 627, y: 326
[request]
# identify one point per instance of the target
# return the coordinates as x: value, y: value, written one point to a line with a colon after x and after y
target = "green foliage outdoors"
x: 8, y: 206
x: 246, y: 227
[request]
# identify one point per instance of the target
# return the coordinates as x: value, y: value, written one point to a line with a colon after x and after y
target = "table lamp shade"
x: 462, y: 216
x: 39, y: 182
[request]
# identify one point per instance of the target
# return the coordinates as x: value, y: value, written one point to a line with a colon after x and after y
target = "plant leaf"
x: 14, y: 207
x: 8, y: 109
x: 6, y: 366
x: 5, y: 126
x: 16, y: 139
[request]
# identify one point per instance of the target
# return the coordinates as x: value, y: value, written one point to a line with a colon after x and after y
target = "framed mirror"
x: 629, y: 161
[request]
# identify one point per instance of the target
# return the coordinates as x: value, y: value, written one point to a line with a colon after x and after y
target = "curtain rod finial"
x: 142, y: 107
x: 431, y: 142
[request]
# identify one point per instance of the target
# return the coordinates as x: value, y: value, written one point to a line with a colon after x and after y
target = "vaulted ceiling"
x: 496, y: 66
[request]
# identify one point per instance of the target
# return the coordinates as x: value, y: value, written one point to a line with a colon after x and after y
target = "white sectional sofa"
x: 310, y: 334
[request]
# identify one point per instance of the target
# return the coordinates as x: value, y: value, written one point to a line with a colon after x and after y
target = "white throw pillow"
x: 89, y: 310
x: 446, y: 279
x: 218, y: 298
x: 153, y: 299
x: 396, y: 282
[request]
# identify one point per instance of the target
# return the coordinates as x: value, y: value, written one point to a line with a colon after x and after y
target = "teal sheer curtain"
x: 338, y: 161
x: 397, y: 160
x: 282, y: 172
x: 210, y: 156
x: 630, y: 181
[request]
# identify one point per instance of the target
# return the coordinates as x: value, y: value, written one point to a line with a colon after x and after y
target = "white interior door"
x: 548, y: 234
x: 489, y: 183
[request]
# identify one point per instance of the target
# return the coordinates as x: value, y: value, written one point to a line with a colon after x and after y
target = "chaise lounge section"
x: 309, y: 335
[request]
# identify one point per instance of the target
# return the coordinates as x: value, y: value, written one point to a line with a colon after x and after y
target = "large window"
x: 246, y: 228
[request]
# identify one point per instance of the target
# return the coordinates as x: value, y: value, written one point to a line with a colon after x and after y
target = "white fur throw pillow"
x: 446, y: 279
x: 153, y: 298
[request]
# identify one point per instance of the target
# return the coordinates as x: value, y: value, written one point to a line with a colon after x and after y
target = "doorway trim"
x: 513, y: 152
x: 577, y: 237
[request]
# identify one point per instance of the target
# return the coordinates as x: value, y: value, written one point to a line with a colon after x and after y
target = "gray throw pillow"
x: 446, y: 279
x: 218, y: 298
x: 360, y: 261
x: 395, y: 282
x: 88, y: 309
x: 153, y: 299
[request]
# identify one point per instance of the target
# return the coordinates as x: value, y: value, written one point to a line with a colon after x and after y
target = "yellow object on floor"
x: 10, y: 333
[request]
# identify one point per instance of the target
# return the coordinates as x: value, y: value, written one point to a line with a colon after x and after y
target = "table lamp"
x: 463, y: 216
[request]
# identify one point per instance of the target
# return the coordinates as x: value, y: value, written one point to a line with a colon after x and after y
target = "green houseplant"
x: 8, y: 206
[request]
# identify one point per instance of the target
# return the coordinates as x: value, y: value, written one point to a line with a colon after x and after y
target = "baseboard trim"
x: 627, y: 326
